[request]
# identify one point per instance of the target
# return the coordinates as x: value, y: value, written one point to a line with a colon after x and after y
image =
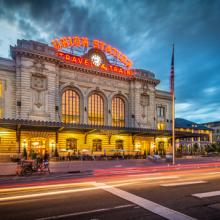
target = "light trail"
x: 46, y: 186
x: 35, y: 195
x: 183, y: 183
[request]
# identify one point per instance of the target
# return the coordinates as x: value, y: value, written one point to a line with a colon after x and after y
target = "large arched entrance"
x: 38, y: 145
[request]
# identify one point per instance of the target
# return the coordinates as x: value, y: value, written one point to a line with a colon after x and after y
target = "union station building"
x: 58, y: 97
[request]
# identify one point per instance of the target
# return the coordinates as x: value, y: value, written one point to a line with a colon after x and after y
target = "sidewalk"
x: 82, y: 166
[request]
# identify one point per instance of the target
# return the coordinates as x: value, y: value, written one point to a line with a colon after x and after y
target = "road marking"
x: 146, y: 204
x: 183, y: 183
x: 207, y: 194
x: 118, y: 165
x: 86, y: 212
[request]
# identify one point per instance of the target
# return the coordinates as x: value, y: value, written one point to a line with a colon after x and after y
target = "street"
x: 125, y: 194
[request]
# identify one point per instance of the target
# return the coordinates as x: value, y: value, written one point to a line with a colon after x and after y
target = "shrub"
x: 24, y: 153
x: 56, y: 154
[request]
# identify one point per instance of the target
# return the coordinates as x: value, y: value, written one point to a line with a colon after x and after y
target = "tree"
x: 24, y: 153
x: 56, y: 154
x: 33, y: 155
x: 195, y: 147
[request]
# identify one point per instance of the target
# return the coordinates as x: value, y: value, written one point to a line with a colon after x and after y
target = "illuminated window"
x: 1, y: 99
x: 161, y: 111
x: 70, y: 107
x: 71, y: 144
x: 118, y: 112
x: 119, y: 144
x: 95, y: 110
x: 97, y: 145
x: 161, y: 126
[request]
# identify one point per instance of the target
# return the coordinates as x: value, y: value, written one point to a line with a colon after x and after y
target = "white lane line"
x: 183, y: 183
x: 207, y: 194
x: 86, y: 212
x: 146, y: 204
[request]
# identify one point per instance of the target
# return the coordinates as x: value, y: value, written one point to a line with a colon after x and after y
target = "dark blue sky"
x: 144, y: 30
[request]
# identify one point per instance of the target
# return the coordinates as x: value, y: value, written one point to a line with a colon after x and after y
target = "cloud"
x: 143, y: 29
x: 210, y: 91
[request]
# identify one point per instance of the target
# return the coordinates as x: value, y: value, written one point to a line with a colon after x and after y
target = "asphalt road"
x: 177, y: 194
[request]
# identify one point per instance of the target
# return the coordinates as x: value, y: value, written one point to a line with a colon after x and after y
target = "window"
x: 161, y: 111
x: 70, y: 107
x: 119, y: 144
x: 95, y: 109
x: 1, y: 99
x: 195, y: 138
x: 118, y: 112
x: 161, y: 126
x: 97, y: 145
x: 71, y: 144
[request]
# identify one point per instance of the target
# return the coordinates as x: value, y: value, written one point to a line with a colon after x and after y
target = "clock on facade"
x: 96, y: 59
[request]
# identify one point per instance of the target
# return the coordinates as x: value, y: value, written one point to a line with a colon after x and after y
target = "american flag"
x: 172, y: 73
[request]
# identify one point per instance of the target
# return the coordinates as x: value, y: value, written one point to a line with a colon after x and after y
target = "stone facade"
x: 32, y: 83
x: 34, y: 79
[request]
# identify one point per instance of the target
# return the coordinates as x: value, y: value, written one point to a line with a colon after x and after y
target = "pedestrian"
x: 46, y: 156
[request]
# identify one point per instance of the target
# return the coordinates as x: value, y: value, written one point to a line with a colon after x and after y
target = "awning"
x: 32, y: 125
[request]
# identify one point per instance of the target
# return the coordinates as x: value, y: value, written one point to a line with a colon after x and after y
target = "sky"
x: 142, y: 29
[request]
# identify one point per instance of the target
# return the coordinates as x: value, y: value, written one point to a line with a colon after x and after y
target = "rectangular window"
x: 161, y: 111
x: 119, y: 145
x: 71, y: 144
x: 97, y: 145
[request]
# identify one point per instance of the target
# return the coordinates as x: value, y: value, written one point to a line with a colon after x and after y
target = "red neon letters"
x: 77, y: 41
x: 88, y: 63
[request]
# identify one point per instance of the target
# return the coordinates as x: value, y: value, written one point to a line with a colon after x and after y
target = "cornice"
x: 159, y: 96
x: 44, y: 52
x: 65, y: 65
x: 7, y: 68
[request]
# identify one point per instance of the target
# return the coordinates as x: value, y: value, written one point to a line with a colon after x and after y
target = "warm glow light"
x: 76, y: 41
x: 4, y: 132
x: 87, y: 63
x: 161, y: 126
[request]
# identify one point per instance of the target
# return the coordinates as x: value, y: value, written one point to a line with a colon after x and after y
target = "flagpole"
x: 173, y: 104
x: 173, y: 126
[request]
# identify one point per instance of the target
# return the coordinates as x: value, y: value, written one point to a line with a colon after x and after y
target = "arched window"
x: 70, y: 107
x: 118, y: 112
x: 95, y: 109
x: 119, y: 144
x: 97, y: 145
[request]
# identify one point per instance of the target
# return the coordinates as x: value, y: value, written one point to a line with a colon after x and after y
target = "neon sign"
x: 88, y: 63
x: 76, y: 41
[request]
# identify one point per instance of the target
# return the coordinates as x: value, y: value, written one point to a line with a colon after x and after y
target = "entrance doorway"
x: 161, y: 148
x: 39, y: 145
